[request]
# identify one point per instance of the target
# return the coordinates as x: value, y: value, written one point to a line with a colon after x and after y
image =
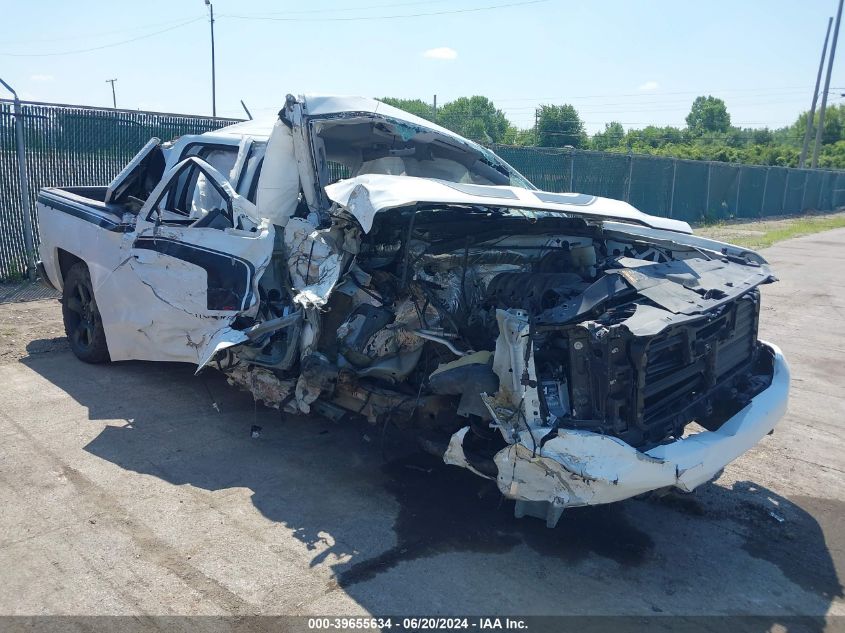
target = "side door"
x: 190, y: 268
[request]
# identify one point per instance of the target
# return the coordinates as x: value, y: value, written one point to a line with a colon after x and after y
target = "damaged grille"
x: 645, y: 389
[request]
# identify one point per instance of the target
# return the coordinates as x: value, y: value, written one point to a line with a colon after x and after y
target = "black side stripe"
x: 229, y: 277
x: 88, y: 214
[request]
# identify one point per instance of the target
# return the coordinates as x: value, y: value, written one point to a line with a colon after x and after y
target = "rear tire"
x: 83, y: 325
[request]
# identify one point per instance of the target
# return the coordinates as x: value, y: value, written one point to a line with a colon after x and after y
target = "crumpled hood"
x: 367, y: 195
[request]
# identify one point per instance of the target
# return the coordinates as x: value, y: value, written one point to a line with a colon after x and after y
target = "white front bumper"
x: 579, y: 468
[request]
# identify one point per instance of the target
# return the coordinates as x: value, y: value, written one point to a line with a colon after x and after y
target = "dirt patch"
x: 29, y: 328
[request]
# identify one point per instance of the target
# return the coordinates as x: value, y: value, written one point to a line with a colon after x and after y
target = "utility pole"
x: 820, y: 129
x: 434, y: 110
x: 213, y: 79
x: 812, y: 117
x: 113, y: 97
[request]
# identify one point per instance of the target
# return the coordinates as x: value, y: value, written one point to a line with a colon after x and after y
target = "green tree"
x: 414, y: 106
x: 475, y: 118
x: 707, y: 115
x: 760, y: 136
x: 833, y: 155
x: 834, y: 127
x: 516, y: 136
x: 559, y: 126
x: 652, y: 137
x: 611, y: 137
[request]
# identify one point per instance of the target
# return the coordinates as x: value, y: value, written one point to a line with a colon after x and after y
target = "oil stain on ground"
x: 446, y: 509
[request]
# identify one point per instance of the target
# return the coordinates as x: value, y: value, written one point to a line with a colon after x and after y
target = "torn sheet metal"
x: 513, y: 363
x: 223, y: 338
x: 692, y: 285
x: 454, y: 455
x: 677, y: 290
x: 670, y: 239
x: 314, y: 259
x: 367, y: 195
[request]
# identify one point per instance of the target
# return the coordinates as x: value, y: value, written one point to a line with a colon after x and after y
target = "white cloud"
x: 444, y: 52
x: 41, y: 78
x: 649, y: 85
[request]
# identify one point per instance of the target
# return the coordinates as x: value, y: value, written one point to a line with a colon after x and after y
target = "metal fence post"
x: 785, y: 191
x: 24, y: 184
x: 804, y: 193
x: 630, y: 175
x: 738, y: 185
x: 571, y: 170
x: 707, y: 198
x: 765, y: 187
x: 821, y: 193
x: 672, y: 194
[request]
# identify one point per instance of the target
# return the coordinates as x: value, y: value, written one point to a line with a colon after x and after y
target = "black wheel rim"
x: 83, y: 315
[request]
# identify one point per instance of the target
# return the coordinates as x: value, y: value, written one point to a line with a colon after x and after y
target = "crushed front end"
x: 583, y: 431
x: 599, y: 388
x: 567, y: 346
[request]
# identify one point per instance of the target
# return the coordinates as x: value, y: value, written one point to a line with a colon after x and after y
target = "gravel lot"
x: 136, y: 488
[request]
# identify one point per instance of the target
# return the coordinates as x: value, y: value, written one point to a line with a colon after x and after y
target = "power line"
x: 287, y: 19
x: 390, y: 5
x: 388, y: 17
x: 134, y: 29
x: 97, y: 48
x: 88, y: 36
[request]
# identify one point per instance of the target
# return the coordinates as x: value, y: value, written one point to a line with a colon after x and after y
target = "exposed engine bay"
x: 496, y: 324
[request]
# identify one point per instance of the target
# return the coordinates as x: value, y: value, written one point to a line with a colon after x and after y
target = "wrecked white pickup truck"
x: 351, y: 259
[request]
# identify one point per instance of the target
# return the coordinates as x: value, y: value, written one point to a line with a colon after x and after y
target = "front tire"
x: 83, y: 325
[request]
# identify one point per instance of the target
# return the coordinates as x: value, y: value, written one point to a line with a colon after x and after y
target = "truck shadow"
x: 350, y: 496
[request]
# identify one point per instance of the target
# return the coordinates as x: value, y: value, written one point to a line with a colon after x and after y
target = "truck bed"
x: 87, y: 204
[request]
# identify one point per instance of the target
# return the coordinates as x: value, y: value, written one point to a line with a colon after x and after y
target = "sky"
x: 636, y: 62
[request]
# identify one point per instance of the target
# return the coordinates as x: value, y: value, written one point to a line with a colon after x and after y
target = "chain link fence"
x: 70, y: 146
x: 76, y: 145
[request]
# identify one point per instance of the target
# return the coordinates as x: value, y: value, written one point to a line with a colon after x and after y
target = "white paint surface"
x: 370, y: 194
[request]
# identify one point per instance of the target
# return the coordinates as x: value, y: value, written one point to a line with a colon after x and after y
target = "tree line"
x: 708, y: 135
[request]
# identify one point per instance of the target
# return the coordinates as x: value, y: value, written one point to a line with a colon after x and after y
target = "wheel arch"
x: 66, y: 259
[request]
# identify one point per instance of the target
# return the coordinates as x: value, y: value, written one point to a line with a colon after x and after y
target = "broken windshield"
x: 353, y: 145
